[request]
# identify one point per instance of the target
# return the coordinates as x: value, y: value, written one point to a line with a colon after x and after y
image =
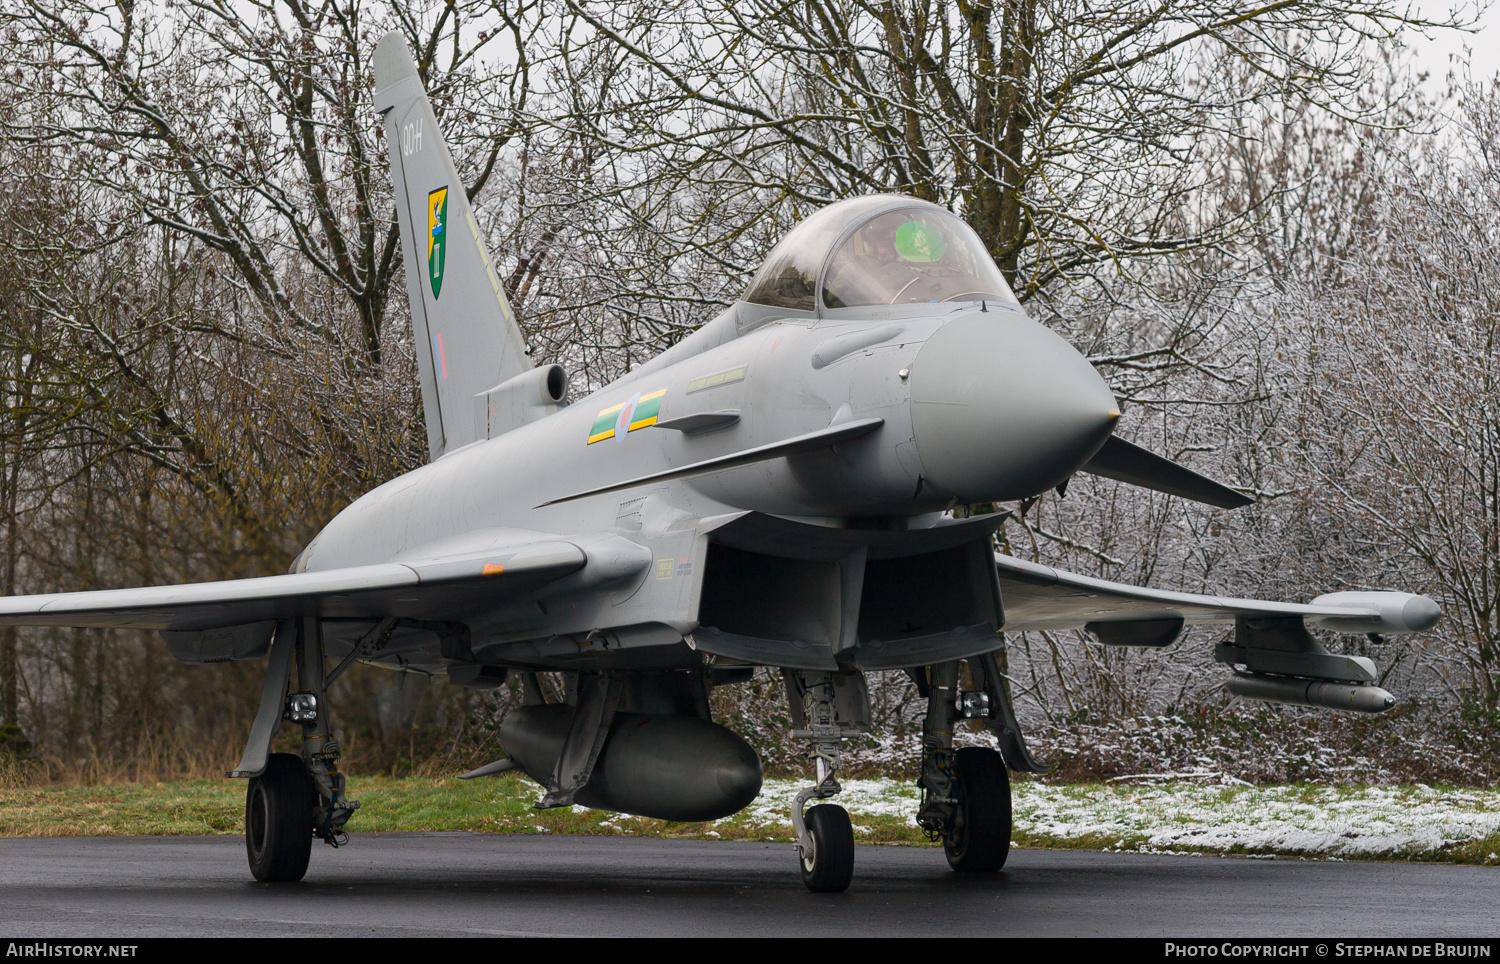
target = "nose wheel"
x: 827, y: 708
x: 978, y: 839
x: 279, y: 807
x: 828, y: 859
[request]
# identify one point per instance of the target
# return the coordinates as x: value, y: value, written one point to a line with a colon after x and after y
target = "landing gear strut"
x: 320, y: 751
x: 827, y: 708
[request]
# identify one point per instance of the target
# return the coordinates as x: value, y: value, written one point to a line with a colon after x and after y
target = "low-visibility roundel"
x: 617, y: 421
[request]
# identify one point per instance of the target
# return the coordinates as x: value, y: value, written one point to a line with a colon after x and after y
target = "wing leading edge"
x: 387, y: 589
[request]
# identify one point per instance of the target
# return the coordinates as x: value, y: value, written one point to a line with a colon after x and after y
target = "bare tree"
x: 1402, y: 369
x: 200, y: 360
x: 1064, y: 132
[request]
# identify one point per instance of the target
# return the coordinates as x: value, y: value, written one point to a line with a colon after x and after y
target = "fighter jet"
x: 775, y: 490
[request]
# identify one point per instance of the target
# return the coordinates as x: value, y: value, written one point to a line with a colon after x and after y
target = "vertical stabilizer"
x: 466, y: 335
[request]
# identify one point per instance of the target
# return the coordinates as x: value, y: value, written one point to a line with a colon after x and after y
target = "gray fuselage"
x: 978, y: 403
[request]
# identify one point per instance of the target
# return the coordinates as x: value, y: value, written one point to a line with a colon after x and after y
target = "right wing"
x: 416, y: 589
x: 435, y: 585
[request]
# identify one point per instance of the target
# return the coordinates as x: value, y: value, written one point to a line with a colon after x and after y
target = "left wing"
x: 1041, y: 597
x: 1274, y: 656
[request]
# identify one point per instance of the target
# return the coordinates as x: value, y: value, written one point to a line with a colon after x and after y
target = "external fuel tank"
x: 667, y: 767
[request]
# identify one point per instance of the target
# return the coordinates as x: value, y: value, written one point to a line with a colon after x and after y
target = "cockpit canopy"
x: 877, y: 250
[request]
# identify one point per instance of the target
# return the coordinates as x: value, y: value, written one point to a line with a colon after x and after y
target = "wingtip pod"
x: 1394, y: 613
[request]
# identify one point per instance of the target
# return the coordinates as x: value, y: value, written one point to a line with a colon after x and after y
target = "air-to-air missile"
x: 1361, y: 698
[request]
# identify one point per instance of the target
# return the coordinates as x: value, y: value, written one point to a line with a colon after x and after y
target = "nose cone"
x: 1004, y: 409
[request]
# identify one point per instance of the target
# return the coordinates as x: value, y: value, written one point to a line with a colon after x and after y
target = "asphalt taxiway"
x: 430, y: 884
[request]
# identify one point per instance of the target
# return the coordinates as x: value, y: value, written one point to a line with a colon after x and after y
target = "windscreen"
x: 912, y: 256
x: 789, y: 276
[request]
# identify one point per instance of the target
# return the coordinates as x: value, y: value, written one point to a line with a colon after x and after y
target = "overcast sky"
x: 1484, y: 45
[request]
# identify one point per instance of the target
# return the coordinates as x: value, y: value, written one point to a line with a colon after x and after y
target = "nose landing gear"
x: 826, y: 709
x: 828, y: 855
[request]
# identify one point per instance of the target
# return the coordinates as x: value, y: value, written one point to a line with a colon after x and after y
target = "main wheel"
x: 279, y: 807
x: 980, y: 839
x: 829, y: 867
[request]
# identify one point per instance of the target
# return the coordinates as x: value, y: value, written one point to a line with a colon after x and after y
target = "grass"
x: 498, y: 805
x: 188, y: 807
x: 1385, y: 823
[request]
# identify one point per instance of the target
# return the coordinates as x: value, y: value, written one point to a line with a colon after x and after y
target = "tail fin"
x: 466, y: 335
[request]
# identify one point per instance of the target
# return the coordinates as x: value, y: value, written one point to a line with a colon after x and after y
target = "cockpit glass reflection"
x: 789, y: 276
x: 912, y: 256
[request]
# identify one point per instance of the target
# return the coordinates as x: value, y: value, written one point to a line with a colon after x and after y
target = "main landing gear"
x: 966, y: 792
x: 279, y: 807
x: 978, y: 840
x: 291, y: 799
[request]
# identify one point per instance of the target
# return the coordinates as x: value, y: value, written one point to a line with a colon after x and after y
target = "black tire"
x: 279, y: 807
x: 980, y: 839
x: 830, y: 866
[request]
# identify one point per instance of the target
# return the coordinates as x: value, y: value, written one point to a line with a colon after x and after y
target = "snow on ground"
x: 880, y: 797
x: 1179, y: 815
x: 1326, y: 821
